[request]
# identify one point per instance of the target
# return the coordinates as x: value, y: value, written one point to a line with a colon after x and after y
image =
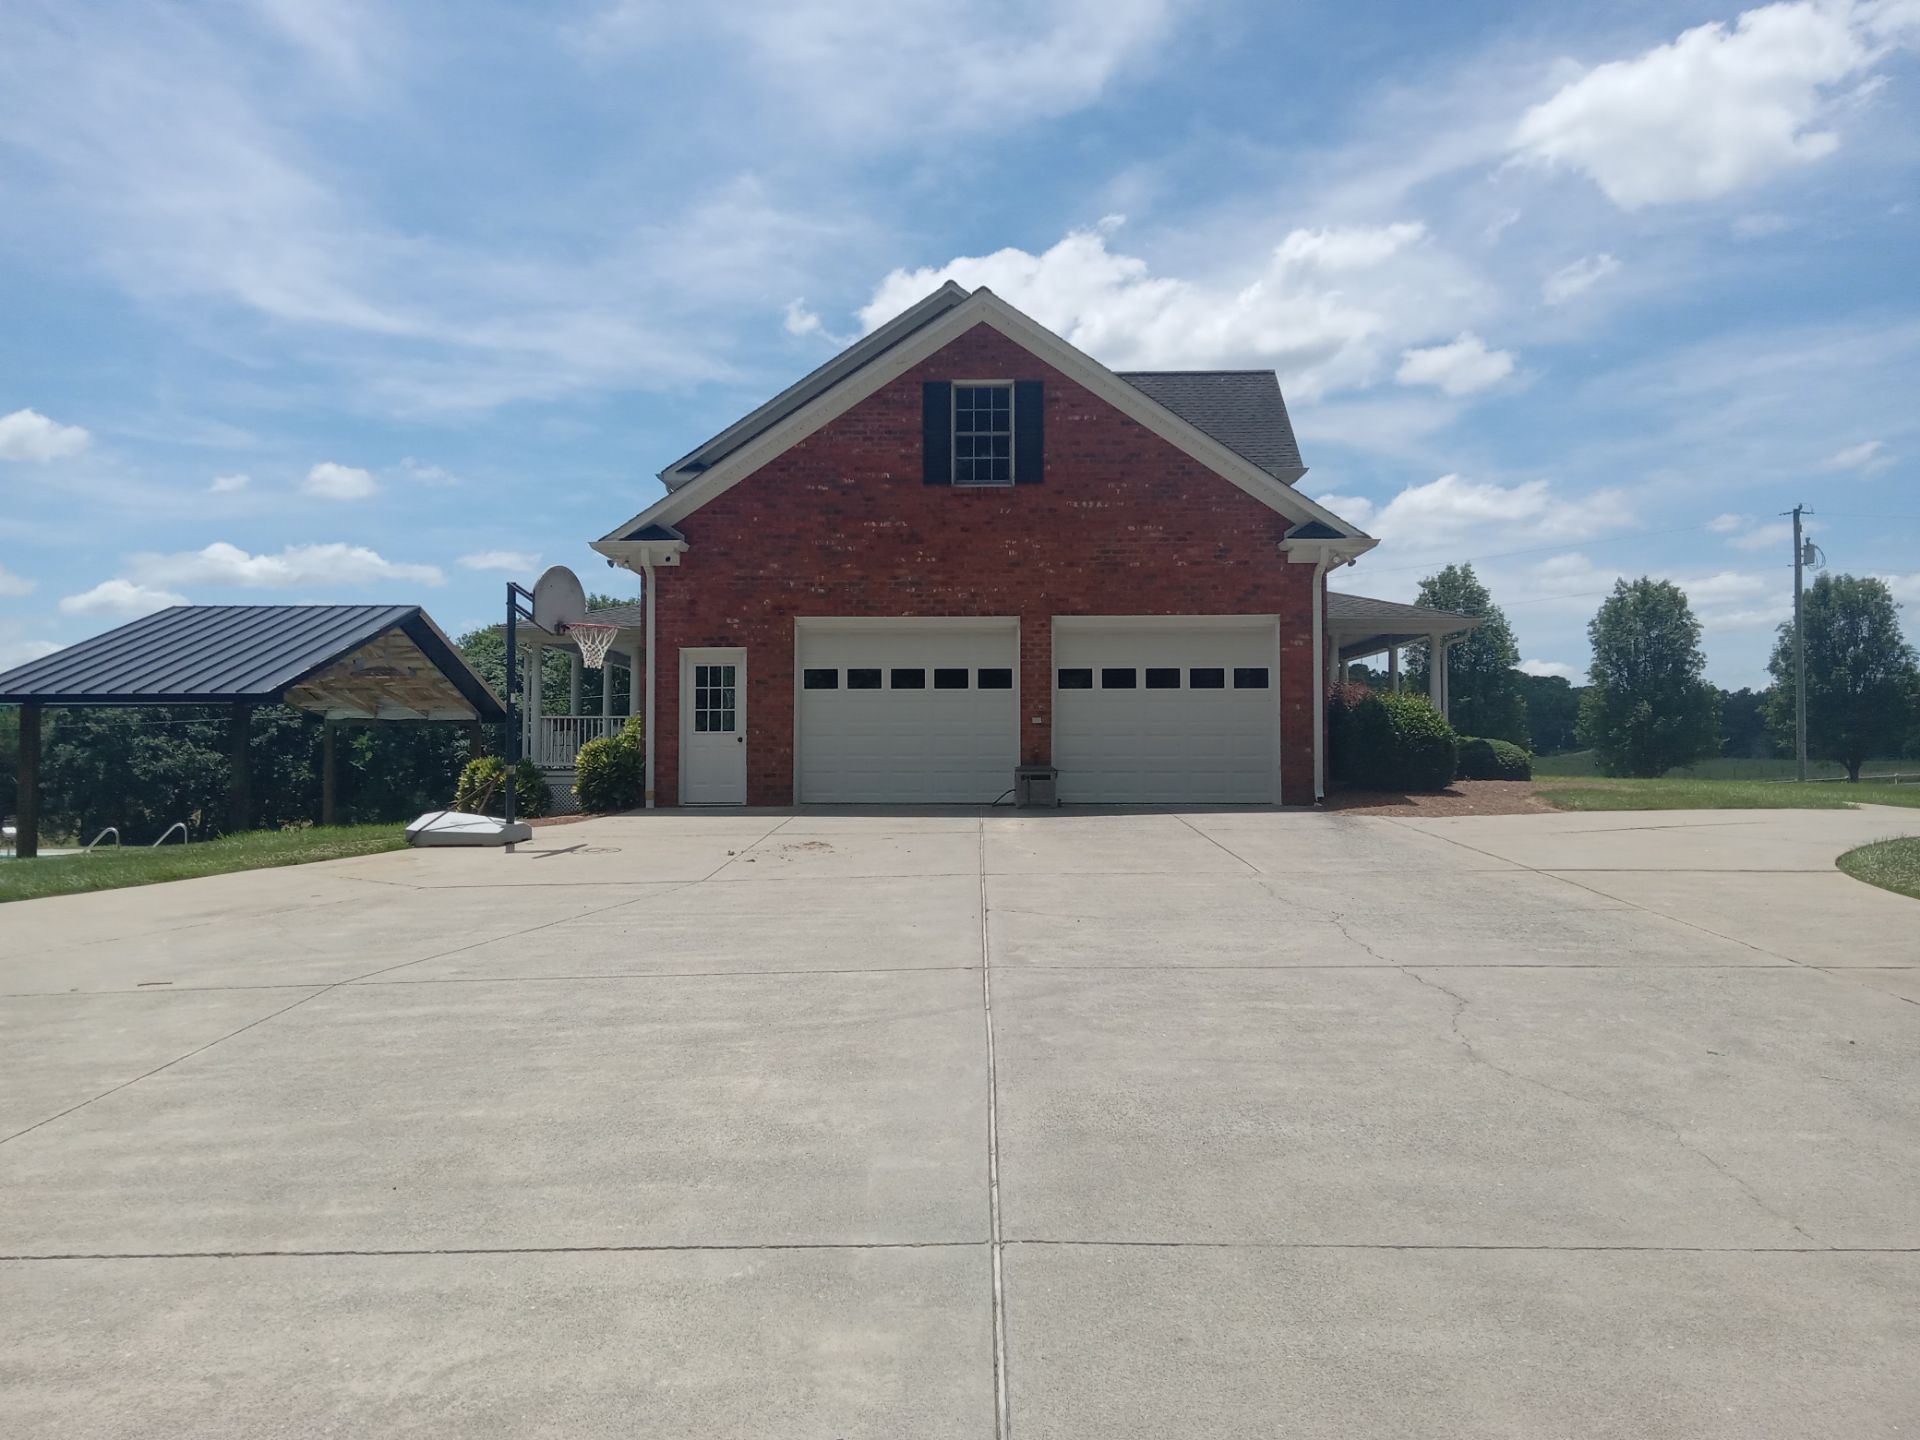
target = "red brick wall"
x: 842, y: 524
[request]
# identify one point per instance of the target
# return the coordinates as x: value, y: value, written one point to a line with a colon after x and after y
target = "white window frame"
x: 953, y: 435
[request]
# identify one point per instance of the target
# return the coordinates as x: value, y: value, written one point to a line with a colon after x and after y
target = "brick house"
x: 961, y: 546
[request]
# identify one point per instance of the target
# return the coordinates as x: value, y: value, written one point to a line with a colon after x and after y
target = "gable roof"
x: 904, y: 342
x: 1242, y: 409
x: 1364, y: 609
x: 216, y: 654
x: 815, y: 382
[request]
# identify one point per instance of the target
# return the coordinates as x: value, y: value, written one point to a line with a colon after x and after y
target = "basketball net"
x: 593, y: 641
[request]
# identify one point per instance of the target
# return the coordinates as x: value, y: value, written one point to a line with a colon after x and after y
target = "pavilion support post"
x: 1436, y: 672
x: 329, y: 773
x: 1393, y: 668
x: 240, y: 771
x: 476, y: 739
x: 26, y: 843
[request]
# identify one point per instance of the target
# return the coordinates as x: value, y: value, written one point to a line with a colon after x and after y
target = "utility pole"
x: 1799, y: 652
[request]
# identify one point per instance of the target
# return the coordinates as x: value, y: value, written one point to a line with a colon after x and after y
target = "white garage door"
x: 902, y: 712
x: 1155, y: 713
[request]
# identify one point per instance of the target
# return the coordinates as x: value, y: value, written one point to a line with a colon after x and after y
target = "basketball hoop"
x: 593, y: 641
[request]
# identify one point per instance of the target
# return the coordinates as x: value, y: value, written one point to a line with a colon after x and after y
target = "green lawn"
x: 1673, y: 794
x: 1582, y: 763
x: 1891, y: 864
x: 111, y: 869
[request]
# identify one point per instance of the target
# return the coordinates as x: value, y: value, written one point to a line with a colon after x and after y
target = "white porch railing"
x: 554, y: 741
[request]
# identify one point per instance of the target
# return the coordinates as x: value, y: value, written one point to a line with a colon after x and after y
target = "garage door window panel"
x: 1163, y: 677
x: 994, y: 679
x: 1119, y: 678
x: 1076, y: 679
x: 821, y: 680
x: 1250, y: 677
x: 950, y: 679
x: 863, y: 679
x: 909, y: 679
x: 1206, y: 677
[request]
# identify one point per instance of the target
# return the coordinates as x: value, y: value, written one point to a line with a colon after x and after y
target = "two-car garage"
x: 1145, y: 710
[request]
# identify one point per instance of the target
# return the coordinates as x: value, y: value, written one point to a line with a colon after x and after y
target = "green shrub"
x: 1492, y: 760
x: 1399, y: 742
x: 1342, y: 700
x: 482, y: 789
x: 613, y: 770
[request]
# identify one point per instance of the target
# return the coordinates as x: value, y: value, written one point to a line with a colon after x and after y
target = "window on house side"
x: 983, y: 434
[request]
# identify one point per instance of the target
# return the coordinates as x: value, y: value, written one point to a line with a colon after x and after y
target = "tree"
x: 1743, y: 725
x: 1485, y: 690
x: 1648, y: 708
x: 1553, y: 713
x: 1861, y: 673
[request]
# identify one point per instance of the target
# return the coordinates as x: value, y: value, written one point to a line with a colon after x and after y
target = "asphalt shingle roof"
x: 191, y: 654
x: 1242, y: 409
x: 1390, y: 614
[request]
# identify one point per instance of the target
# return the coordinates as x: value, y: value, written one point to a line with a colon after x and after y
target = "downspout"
x: 646, y: 582
x: 1320, y: 678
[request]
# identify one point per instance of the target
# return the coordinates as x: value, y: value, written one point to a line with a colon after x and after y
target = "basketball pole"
x: 519, y: 605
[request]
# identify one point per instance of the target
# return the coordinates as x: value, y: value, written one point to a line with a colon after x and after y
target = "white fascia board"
x: 983, y: 306
x: 630, y: 554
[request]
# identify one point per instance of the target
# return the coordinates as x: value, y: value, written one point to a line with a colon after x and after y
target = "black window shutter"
x: 936, y: 430
x: 1029, y: 432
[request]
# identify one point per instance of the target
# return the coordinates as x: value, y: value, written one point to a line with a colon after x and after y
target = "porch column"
x: 606, y: 685
x: 575, y: 669
x: 1436, y: 673
x: 26, y: 840
x: 1393, y: 668
x: 536, y: 685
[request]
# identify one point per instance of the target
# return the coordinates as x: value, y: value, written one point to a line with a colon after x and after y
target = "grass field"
x: 112, y: 869
x: 1891, y: 864
x: 1581, y: 763
x: 1690, y: 794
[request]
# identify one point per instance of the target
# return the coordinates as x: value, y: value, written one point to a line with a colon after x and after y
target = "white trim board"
x: 983, y: 307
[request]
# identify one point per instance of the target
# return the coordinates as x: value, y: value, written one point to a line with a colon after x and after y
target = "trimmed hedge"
x: 483, y: 789
x: 613, y: 770
x: 1398, y: 742
x: 1492, y: 760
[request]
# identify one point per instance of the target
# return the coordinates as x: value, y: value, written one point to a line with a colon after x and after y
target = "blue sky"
x: 342, y: 301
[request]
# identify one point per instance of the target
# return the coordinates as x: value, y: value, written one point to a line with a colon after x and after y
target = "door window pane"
x: 994, y: 680
x: 1163, y: 678
x: 1250, y: 677
x: 1076, y: 679
x: 863, y: 679
x: 822, y: 680
x: 1119, y: 679
x: 949, y: 679
x: 909, y: 679
x: 1206, y: 678
x: 713, y: 699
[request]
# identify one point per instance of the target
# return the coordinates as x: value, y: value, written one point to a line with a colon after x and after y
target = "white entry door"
x: 1166, y: 711
x: 903, y: 712
x: 713, y: 727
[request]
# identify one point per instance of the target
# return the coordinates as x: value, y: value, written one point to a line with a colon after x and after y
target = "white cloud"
x: 1719, y: 108
x: 1577, y: 278
x: 12, y: 584
x: 1763, y: 537
x: 1325, y: 308
x: 331, y: 481
x: 1553, y: 667
x: 800, y: 320
x: 1759, y: 225
x: 19, y: 652
x: 512, y: 562
x: 228, y: 484
x: 875, y: 74
x: 1729, y: 523
x: 29, y: 435
x: 120, y: 598
x: 1905, y: 588
x: 1459, y: 367
x: 423, y: 474
x: 330, y: 565
x: 1440, y: 514
x: 1869, y: 458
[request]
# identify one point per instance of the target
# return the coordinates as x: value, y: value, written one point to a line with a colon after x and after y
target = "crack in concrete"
x: 1460, y: 1004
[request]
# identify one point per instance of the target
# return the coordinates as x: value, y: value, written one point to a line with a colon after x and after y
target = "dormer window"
x: 983, y: 433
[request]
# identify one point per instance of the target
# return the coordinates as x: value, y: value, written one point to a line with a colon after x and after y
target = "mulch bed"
x: 1463, y: 797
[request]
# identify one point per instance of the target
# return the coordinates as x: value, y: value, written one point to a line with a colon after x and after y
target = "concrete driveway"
x: 1225, y: 1124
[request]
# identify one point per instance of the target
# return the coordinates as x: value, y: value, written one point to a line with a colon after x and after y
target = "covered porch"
x: 1360, y: 628
x: 554, y: 740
